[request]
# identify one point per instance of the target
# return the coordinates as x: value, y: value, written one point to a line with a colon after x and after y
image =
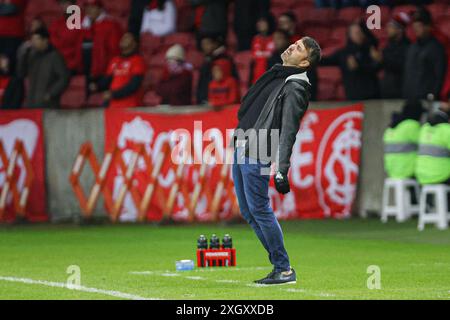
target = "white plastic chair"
x: 402, y: 207
x: 439, y: 215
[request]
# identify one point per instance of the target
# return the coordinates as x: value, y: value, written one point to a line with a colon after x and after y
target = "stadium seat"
x: 326, y: 91
x: 315, y: 16
x: 185, y: 18
x: 405, y: 8
x: 154, y: 75
x: 320, y: 33
x: 156, y: 59
x: 149, y: 43
x: 332, y: 74
x: 151, y: 99
x: 119, y: 8
x: 75, y: 94
x: 185, y: 39
x: 338, y: 36
x: 195, y: 57
x: 348, y: 15
x: 444, y: 27
x: 243, y: 58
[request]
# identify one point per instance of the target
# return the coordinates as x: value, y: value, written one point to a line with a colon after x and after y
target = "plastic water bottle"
x: 214, y: 242
x: 202, y: 242
x: 184, y: 265
x: 227, y: 242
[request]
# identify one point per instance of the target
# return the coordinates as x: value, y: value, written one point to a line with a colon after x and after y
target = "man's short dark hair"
x: 314, y: 51
x: 42, y: 32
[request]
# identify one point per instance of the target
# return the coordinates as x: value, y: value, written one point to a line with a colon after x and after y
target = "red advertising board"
x: 26, y: 126
x: 324, y: 163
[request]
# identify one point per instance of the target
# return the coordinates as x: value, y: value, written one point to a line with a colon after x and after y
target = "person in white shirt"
x: 159, y: 18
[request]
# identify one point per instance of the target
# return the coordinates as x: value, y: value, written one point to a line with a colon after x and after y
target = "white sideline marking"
x: 168, y: 274
x: 195, y: 278
x: 116, y: 294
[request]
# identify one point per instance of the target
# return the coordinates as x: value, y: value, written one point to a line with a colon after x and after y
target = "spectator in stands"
x: 11, y: 88
x: 101, y: 37
x: 358, y: 68
x: 425, y: 63
x: 26, y: 46
x: 67, y: 41
x: 12, y: 28
x: 159, y: 18
x: 177, y: 78
x: 213, y: 49
x: 400, y: 141
x: 281, y: 41
x: 47, y: 72
x: 223, y: 89
x: 211, y: 16
x: 392, y: 58
x: 122, y: 84
x: 288, y: 22
x: 262, y: 47
x: 246, y: 13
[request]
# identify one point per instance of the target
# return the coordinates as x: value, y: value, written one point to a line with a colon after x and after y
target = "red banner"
x: 324, y: 163
x: 25, y: 126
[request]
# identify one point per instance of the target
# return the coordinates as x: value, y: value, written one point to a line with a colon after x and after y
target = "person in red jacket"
x: 101, y: 37
x: 12, y: 27
x: 66, y: 41
x: 223, y: 89
x: 262, y: 47
x: 125, y: 75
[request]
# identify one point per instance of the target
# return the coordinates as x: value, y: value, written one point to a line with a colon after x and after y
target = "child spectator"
x: 213, y: 49
x: 177, y: 78
x: 223, y: 89
x: 68, y: 42
x: 125, y: 75
x: 262, y: 47
x: 159, y: 18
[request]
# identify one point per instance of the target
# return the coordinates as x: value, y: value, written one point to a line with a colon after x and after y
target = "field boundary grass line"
x: 115, y: 294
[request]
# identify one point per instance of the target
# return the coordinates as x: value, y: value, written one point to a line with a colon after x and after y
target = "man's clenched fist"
x: 282, y: 182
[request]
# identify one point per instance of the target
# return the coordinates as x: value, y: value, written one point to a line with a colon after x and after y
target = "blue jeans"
x: 252, y: 190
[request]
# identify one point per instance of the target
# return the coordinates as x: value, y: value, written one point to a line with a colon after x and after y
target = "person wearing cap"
x: 425, y: 63
x: 223, y: 89
x: 101, y: 38
x: 47, y: 73
x: 401, y: 141
x: 122, y: 84
x: 67, y: 41
x: 392, y: 58
x: 177, y: 77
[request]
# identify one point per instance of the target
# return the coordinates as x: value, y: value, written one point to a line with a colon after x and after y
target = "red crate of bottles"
x: 216, y: 257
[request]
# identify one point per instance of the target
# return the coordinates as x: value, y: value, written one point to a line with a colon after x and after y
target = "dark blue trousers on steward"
x: 252, y: 190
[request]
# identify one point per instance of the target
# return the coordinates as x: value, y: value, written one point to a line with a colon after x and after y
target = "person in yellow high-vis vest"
x: 433, y: 160
x: 401, y: 142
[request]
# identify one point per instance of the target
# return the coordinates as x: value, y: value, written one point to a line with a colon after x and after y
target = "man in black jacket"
x: 269, y: 120
x: 425, y: 63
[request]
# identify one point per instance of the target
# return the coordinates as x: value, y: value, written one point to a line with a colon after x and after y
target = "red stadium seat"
x: 151, y: 99
x: 154, y: 76
x: 439, y: 10
x: 243, y: 58
x: 75, y: 94
x: 185, y: 21
x: 320, y: 33
x: 326, y: 91
x: 195, y: 57
x: 186, y: 39
x: 149, y: 43
x: 348, y: 15
x: 338, y: 36
x: 315, y: 16
x: 406, y: 8
x: 444, y: 27
x: 244, y: 73
x: 331, y: 74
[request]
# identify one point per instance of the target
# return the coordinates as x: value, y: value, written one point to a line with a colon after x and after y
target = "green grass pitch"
x: 138, y: 261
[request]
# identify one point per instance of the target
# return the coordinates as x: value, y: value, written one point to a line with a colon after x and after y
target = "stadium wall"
x: 66, y: 130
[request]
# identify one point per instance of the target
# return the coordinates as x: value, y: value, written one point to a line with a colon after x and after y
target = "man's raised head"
x: 304, y: 53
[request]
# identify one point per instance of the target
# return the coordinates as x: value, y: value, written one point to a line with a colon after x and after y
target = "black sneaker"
x: 278, y: 278
x: 268, y: 276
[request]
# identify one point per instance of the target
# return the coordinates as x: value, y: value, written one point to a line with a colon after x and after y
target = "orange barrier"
x: 20, y: 198
x: 114, y: 207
